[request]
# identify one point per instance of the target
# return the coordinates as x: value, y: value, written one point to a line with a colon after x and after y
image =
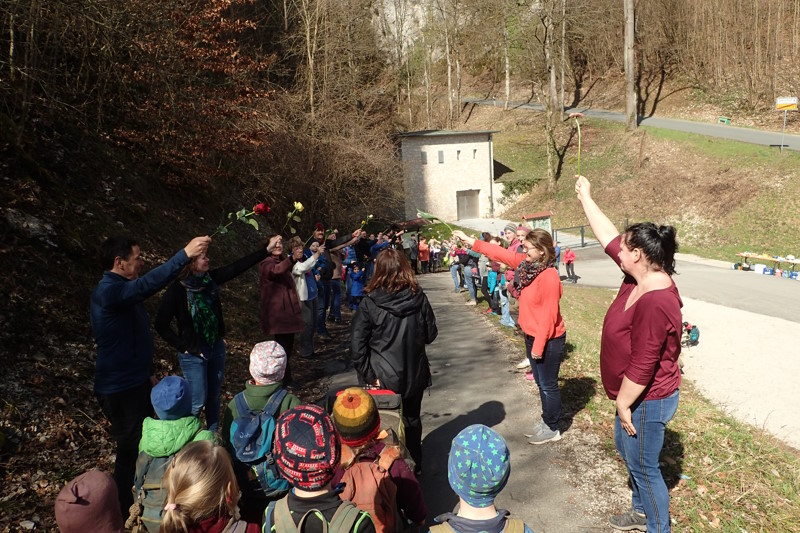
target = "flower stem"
x: 578, y: 124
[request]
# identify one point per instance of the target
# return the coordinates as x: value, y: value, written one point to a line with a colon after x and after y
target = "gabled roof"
x: 444, y: 133
x: 539, y: 214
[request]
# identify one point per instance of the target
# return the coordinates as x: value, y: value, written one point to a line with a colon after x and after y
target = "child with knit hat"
x: 267, y: 365
x: 478, y: 469
x: 89, y: 503
x: 161, y: 439
x: 307, y: 449
x: 358, y: 421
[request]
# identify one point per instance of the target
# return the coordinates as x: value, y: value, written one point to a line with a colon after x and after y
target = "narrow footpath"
x: 474, y: 382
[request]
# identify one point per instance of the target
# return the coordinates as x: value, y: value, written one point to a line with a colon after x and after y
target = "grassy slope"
x: 724, y: 197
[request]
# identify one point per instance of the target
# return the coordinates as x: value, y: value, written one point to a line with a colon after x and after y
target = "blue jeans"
x: 470, y: 280
x: 323, y: 299
x: 545, y: 372
x: 505, y: 309
x: 204, y: 375
x: 336, y: 300
x: 454, y: 275
x: 640, y: 453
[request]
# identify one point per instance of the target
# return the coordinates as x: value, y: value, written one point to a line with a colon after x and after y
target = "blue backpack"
x: 252, y: 436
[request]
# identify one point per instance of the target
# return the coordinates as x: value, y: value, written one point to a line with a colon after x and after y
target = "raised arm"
x: 603, y: 228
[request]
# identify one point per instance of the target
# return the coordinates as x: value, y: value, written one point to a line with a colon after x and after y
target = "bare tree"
x: 630, y: 72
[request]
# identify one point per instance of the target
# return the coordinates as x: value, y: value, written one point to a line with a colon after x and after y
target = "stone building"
x: 450, y: 174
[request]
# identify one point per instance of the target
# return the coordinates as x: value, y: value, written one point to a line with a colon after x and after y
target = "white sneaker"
x: 471, y: 302
x: 523, y: 364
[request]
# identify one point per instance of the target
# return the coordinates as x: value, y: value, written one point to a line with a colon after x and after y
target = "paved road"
x: 766, y: 138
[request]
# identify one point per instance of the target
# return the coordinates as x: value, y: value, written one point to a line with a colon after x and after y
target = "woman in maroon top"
x: 639, y: 356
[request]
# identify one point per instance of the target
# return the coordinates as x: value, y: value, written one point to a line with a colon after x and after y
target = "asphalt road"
x: 766, y: 138
x: 706, y: 280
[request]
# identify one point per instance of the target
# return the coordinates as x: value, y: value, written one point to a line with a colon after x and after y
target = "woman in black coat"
x: 389, y: 332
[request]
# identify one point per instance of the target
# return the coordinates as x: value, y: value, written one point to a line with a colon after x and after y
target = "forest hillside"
x: 159, y: 118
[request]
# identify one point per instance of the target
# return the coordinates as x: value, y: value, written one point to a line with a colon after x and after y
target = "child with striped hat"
x: 367, y: 460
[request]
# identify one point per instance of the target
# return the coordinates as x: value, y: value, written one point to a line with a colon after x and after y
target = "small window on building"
x: 424, y: 156
x: 458, y: 154
x: 475, y: 153
x: 441, y: 157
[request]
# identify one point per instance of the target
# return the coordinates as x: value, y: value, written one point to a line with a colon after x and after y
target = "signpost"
x: 786, y: 103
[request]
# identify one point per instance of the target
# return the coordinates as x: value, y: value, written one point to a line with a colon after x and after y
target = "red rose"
x: 261, y: 209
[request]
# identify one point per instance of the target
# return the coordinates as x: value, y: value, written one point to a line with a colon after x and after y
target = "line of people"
x: 636, y: 356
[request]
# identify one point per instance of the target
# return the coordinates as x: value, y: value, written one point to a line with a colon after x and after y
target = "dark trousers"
x: 412, y: 420
x: 571, y: 271
x: 488, y: 297
x: 308, y: 308
x: 323, y: 301
x: 286, y: 340
x: 126, y: 411
x: 414, y: 266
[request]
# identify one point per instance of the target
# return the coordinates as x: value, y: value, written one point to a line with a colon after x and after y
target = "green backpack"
x: 278, y: 518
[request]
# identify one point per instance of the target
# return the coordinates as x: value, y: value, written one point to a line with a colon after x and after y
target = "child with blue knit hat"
x: 162, y: 438
x: 478, y: 469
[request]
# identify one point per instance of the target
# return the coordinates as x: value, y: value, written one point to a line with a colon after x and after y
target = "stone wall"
x: 466, y: 165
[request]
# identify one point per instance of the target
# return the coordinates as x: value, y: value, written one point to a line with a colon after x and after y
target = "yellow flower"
x: 363, y: 222
x: 298, y: 207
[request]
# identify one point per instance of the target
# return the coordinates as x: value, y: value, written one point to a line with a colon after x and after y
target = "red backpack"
x: 369, y: 486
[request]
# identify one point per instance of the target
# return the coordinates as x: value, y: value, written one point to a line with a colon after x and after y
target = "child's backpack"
x: 278, y: 518
x: 513, y: 525
x: 369, y: 486
x: 146, y: 510
x: 691, y: 335
x: 252, y: 436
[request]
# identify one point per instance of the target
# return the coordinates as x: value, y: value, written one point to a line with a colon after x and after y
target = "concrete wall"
x: 431, y: 186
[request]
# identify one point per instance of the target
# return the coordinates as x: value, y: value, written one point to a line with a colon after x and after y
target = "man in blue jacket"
x: 121, y: 328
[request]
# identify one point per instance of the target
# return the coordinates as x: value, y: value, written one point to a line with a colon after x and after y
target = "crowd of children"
x: 343, y: 471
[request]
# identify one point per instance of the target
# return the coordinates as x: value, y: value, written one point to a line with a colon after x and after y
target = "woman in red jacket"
x: 639, y: 353
x: 280, y: 312
x: 538, y: 288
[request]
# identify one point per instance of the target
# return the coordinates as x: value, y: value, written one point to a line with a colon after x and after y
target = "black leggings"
x: 286, y: 340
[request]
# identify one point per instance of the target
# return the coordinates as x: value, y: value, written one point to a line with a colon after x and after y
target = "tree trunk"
x: 563, y: 52
x: 552, y: 98
x: 630, y: 74
x: 507, y: 63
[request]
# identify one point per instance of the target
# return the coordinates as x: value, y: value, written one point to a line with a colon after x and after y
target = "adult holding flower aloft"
x: 538, y: 288
x: 639, y: 353
x: 193, y: 303
x: 281, y: 310
x: 121, y: 328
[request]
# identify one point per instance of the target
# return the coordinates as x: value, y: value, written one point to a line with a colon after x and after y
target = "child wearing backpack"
x: 202, y: 493
x: 478, y: 468
x: 307, y: 449
x: 264, y: 390
x: 161, y: 439
x: 376, y: 477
